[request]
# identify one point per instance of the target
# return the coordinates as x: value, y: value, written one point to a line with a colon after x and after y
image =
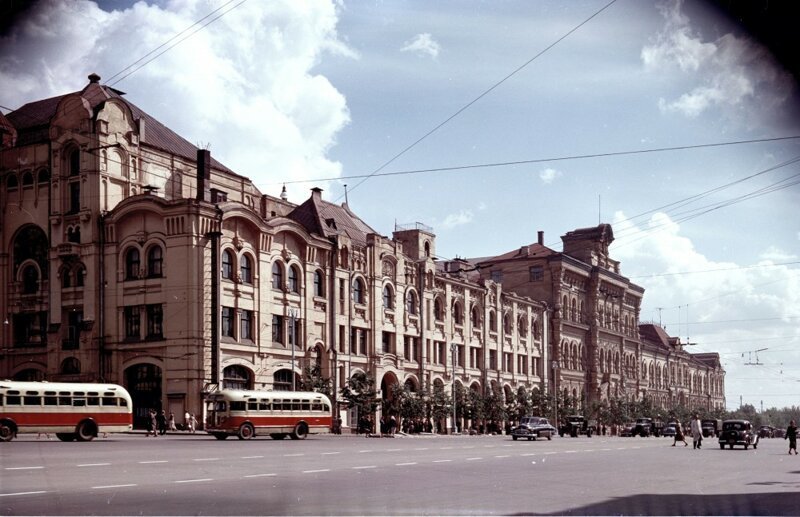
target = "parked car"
x: 669, y: 430
x: 643, y: 427
x: 575, y: 425
x: 533, y: 427
x: 766, y: 431
x: 710, y: 427
x: 737, y: 432
x: 627, y: 429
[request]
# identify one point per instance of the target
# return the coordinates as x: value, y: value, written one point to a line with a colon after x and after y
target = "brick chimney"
x: 203, y: 174
x: 541, y: 238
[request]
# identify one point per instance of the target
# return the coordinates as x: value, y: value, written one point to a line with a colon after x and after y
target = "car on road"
x: 576, y: 424
x: 532, y: 428
x: 737, y: 432
x: 643, y: 427
x: 711, y: 427
x: 627, y: 429
x: 669, y: 430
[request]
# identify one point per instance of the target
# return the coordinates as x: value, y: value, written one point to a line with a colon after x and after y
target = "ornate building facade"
x: 130, y: 256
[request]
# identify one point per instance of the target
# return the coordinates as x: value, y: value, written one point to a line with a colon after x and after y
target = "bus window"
x: 79, y: 394
x: 326, y: 408
x: 13, y: 400
x: 237, y: 405
x: 263, y: 405
x: 316, y: 406
x: 93, y: 401
x: 64, y: 400
x: 109, y: 401
x: 50, y: 401
x: 78, y: 402
x: 32, y: 398
x: 1, y: 399
x: 123, y: 402
x: 252, y: 405
x: 306, y: 405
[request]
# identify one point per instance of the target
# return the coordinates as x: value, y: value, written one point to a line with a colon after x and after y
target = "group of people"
x: 159, y: 423
x: 695, y: 429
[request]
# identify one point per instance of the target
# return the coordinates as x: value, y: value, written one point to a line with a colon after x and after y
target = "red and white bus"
x: 277, y: 413
x: 73, y: 411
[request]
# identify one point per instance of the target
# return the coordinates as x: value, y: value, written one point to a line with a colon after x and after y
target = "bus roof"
x: 292, y: 395
x: 61, y: 386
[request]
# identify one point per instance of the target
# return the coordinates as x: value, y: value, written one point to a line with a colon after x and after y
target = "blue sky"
x: 313, y: 93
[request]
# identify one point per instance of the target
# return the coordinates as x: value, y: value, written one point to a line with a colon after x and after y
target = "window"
x: 12, y: 183
x: 358, y: 291
x: 132, y: 322
x: 492, y: 322
x: 74, y: 166
x: 155, y: 262
x: 66, y: 278
x: 30, y: 280
x: 74, y: 198
x: 438, y: 313
x: 319, y: 283
x: 457, y: 317
x: 80, y: 273
x: 277, y: 328
x: 227, y: 265
x: 70, y: 366
x: 388, y: 298
x: 246, y: 325
x: 228, y: 319
x: 476, y: 318
x: 246, y: 269
x: 27, y: 179
x: 44, y: 176
x: 411, y: 303
x: 277, y: 276
x: 294, y: 279
x: 536, y: 273
x: 132, y: 264
x: 155, y: 321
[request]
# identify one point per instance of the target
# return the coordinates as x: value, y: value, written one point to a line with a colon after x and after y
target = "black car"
x: 669, y: 430
x: 533, y: 427
x: 737, y: 432
x: 643, y: 427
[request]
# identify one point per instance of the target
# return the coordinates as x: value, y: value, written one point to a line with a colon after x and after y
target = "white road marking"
x: 404, y: 464
x: 24, y: 493
x: 260, y: 475
x: 23, y: 468
x: 421, y: 449
x: 445, y: 448
x: 530, y: 454
x: 506, y: 456
x: 205, y: 459
x: 251, y: 457
x: 94, y: 465
x: 193, y: 480
x: 362, y: 452
x: 552, y: 452
x: 393, y: 450
x: 442, y: 461
x: 468, y: 447
x: 293, y: 455
x: 315, y: 471
x: 365, y: 467
x: 474, y: 459
x: 330, y: 453
x: 112, y: 486
x: 152, y: 461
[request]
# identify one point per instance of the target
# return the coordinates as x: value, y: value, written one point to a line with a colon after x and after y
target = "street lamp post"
x: 555, y: 391
x: 453, y: 349
x: 293, y: 314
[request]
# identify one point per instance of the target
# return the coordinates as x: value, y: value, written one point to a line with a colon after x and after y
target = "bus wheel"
x: 66, y: 437
x: 220, y: 436
x: 300, y: 432
x: 85, y: 431
x: 246, y: 431
x: 277, y: 436
x: 6, y: 432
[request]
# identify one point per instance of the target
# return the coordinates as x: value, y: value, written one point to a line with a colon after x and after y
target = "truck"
x: 577, y: 424
x: 643, y: 427
x: 711, y: 427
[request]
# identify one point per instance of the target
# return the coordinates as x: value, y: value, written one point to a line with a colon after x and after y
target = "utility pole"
x: 750, y: 357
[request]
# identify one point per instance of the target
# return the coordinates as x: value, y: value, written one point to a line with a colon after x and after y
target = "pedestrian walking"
x: 791, y: 435
x: 161, y: 420
x: 171, y: 422
x: 697, y: 432
x: 152, y: 424
x: 192, y: 422
x: 679, y: 436
x: 186, y: 421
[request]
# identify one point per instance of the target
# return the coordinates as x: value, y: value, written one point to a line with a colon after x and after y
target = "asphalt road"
x: 344, y: 475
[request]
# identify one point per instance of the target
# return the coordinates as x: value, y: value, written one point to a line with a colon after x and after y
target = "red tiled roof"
x: 654, y: 334
x: 315, y: 213
x: 534, y: 250
x: 33, y: 119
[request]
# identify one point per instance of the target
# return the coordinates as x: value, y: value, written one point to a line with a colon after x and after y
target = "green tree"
x: 359, y: 393
x: 313, y: 380
x: 440, y: 405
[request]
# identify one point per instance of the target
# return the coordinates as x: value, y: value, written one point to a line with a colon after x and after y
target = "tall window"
x: 358, y: 291
x: 388, y: 298
x: 246, y: 269
x: 155, y: 262
x: 155, y: 321
x: 438, y: 312
x: 246, y: 325
x: 30, y: 279
x: 277, y: 328
x: 74, y: 197
x: 228, y: 319
x: 132, y: 263
x: 294, y: 279
x: 227, y: 264
x: 457, y: 316
x: 319, y: 284
x: 536, y: 273
x: 132, y: 322
x: 411, y: 303
x: 277, y: 276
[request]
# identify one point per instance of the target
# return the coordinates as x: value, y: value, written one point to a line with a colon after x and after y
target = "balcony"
x: 68, y: 249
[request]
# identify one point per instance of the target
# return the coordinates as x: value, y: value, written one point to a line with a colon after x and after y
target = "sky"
x: 666, y: 119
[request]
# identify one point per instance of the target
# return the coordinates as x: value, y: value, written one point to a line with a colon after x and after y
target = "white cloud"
x: 549, y: 175
x: 731, y: 312
x: 458, y: 219
x: 731, y: 73
x: 422, y: 45
x: 247, y: 76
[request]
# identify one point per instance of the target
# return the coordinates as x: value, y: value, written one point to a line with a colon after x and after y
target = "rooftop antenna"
x: 750, y: 357
x: 659, y: 309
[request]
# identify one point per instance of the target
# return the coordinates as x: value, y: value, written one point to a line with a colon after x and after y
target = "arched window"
x: 66, y: 278
x: 438, y: 312
x: 358, y: 291
x: 294, y: 279
x: 74, y: 162
x: 319, y: 283
x: 155, y: 262
x: 506, y: 323
x: 458, y: 317
x: 70, y: 366
x: 492, y: 321
x: 80, y: 273
x: 30, y: 279
x: 388, y: 298
x: 74, y: 234
x: 427, y: 249
x: 475, y: 317
x: 522, y: 325
x: 246, y: 269
x: 12, y: 183
x: 236, y: 377
x: 277, y: 275
x: 282, y: 380
x: 43, y: 176
x: 411, y: 303
x: 132, y: 264
x: 27, y: 179
x: 227, y: 264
